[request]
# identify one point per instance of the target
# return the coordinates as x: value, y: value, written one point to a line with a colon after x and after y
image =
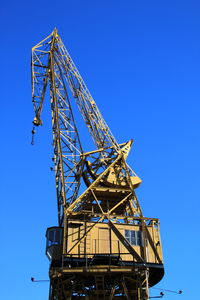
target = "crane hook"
x: 33, y: 132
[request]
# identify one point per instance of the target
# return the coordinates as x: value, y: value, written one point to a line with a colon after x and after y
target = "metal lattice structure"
x: 103, y: 247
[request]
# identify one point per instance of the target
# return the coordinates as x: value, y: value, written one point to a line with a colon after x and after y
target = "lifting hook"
x: 33, y: 132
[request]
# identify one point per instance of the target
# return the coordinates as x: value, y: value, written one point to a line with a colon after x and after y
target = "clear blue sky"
x: 141, y: 62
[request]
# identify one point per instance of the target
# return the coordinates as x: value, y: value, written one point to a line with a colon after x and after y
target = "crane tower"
x: 102, y: 247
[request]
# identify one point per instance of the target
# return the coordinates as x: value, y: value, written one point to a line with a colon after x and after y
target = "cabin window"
x: 54, y: 236
x: 134, y: 237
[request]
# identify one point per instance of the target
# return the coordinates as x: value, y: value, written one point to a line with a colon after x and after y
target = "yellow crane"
x: 103, y: 247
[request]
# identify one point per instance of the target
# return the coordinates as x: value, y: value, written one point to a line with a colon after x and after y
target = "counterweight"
x: 103, y: 246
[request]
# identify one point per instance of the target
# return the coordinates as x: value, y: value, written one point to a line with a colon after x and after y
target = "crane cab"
x: 54, y: 242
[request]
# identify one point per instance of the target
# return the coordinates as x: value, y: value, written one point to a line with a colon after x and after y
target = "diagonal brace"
x: 126, y: 244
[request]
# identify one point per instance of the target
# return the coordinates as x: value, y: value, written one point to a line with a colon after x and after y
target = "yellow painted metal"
x: 98, y: 241
x: 110, y: 250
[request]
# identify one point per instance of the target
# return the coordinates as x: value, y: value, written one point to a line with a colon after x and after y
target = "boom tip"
x: 55, y: 31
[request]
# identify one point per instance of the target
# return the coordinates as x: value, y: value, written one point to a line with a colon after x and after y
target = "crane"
x: 102, y: 247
